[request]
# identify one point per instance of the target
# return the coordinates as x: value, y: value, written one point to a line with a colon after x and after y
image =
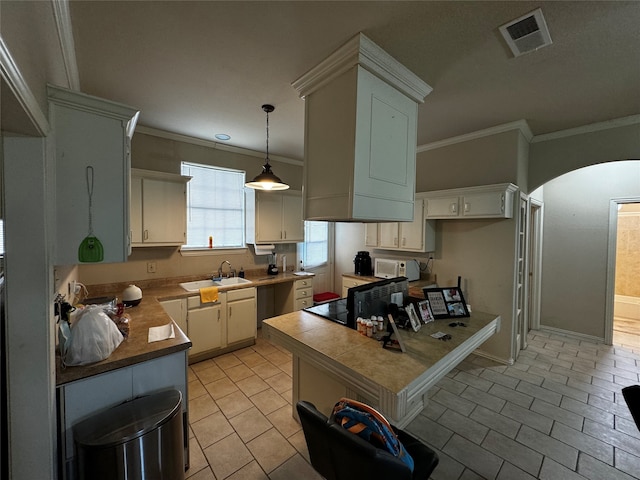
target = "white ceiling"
x: 201, y: 68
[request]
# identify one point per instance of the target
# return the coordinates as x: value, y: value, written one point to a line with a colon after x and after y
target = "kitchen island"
x: 331, y: 361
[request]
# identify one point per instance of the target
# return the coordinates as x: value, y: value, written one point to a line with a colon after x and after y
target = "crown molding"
x: 178, y: 137
x: 65, y: 35
x: 593, y: 127
x: 520, y: 125
x: 361, y: 50
x: 20, y: 89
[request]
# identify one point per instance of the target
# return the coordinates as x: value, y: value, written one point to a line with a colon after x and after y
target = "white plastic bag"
x: 94, y: 337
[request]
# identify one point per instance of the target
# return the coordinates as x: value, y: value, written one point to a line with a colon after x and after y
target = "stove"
x: 335, y: 310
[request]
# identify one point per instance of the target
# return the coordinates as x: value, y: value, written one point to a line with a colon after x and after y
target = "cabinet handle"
x: 404, y: 241
x: 231, y: 311
x: 146, y: 235
x: 285, y: 234
x: 467, y: 207
x: 454, y: 208
x: 502, y: 203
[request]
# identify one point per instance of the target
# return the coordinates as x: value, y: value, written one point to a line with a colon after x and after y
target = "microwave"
x: 389, y: 268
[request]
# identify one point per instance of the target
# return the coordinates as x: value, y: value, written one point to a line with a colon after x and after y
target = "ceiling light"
x: 222, y: 136
x: 267, y: 180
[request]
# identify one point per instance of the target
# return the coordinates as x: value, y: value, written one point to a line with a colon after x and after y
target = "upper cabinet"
x: 486, y: 201
x: 158, y: 208
x: 92, y: 162
x: 360, y: 135
x: 416, y: 236
x: 274, y: 217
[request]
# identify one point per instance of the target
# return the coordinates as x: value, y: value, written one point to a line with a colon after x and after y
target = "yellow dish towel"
x: 209, y: 294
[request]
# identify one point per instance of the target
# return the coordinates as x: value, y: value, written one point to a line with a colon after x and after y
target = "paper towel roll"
x: 264, y: 249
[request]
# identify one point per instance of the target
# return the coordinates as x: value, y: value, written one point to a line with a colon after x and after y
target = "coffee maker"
x: 272, y: 269
x: 362, y: 263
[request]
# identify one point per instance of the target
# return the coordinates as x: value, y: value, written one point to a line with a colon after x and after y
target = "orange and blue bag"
x: 369, y: 424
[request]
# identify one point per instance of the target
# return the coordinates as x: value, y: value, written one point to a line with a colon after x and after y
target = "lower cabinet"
x: 241, y: 315
x: 349, y: 282
x: 290, y: 297
x: 204, y: 327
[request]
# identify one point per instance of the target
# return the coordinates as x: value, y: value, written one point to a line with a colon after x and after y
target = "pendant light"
x: 267, y: 180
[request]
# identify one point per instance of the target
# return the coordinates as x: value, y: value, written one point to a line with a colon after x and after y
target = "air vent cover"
x: 527, y: 33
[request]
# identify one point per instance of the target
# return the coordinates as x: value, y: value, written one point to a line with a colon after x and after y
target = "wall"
x: 152, y: 152
x: 575, y: 239
x: 628, y: 250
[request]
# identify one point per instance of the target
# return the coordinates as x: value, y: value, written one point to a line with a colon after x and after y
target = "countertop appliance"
x: 362, y: 262
x: 272, y: 269
x: 389, y: 268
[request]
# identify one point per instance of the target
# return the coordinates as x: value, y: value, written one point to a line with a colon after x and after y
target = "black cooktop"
x: 335, y: 310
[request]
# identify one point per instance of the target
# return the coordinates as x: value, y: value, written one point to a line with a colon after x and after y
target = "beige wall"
x: 628, y: 250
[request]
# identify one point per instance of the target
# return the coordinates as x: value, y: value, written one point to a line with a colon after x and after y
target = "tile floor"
x: 556, y: 413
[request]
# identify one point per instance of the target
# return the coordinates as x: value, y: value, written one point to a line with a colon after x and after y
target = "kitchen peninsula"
x: 331, y: 361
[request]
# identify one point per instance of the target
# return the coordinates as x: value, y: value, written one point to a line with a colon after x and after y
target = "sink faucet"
x: 232, y: 272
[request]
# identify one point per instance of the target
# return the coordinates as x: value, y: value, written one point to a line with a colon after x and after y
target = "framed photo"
x: 446, y: 302
x: 425, y: 311
x: 413, y: 317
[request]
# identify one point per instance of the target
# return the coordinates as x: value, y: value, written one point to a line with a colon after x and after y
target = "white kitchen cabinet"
x: 486, y: 201
x: 350, y: 282
x: 360, y: 135
x: 204, y: 327
x: 177, y: 310
x: 241, y: 315
x: 91, y: 132
x: 274, y: 217
x: 158, y: 208
x: 371, y: 234
x: 416, y: 236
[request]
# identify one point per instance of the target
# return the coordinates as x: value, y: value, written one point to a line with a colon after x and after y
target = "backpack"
x: 369, y: 424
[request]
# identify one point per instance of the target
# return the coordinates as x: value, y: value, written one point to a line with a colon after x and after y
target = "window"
x: 315, y: 249
x: 215, y: 206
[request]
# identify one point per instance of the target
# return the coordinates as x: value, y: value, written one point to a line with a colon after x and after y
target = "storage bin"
x: 138, y: 440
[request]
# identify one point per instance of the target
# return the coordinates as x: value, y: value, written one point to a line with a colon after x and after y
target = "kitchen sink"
x: 223, y: 282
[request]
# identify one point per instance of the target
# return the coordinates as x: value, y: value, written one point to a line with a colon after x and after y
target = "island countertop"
x: 150, y: 313
x: 393, y: 381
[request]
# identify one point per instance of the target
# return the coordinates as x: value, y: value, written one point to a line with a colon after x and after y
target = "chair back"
x: 632, y: 397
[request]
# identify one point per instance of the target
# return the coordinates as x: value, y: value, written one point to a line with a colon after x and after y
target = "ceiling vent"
x: 527, y: 33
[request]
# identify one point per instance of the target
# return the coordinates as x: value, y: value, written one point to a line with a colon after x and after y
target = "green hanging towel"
x: 90, y: 249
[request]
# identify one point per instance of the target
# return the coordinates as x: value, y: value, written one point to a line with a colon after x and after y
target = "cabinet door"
x: 442, y: 207
x: 163, y: 211
x: 484, y: 204
x: 204, y: 327
x: 412, y: 233
x: 136, y: 210
x: 292, y: 221
x: 268, y: 217
x: 371, y: 234
x: 388, y: 235
x: 177, y: 310
x: 241, y: 320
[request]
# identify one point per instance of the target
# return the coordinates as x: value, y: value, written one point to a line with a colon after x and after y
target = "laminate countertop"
x: 150, y: 313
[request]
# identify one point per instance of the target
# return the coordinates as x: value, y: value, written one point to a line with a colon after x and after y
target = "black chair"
x: 338, y: 454
x: 632, y: 397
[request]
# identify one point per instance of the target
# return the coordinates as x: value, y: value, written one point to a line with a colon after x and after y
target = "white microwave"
x: 389, y: 268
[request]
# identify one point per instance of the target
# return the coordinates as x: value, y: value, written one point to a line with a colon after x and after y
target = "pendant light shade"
x: 267, y: 180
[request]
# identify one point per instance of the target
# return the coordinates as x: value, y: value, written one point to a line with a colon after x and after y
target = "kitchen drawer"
x: 304, y: 293
x: 303, y: 303
x: 304, y: 283
x: 194, y: 302
x: 233, y: 295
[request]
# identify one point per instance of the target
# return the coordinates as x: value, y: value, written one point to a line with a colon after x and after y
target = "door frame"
x: 536, y: 216
x: 611, y: 265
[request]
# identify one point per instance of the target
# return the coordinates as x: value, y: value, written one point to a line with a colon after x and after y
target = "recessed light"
x: 222, y: 136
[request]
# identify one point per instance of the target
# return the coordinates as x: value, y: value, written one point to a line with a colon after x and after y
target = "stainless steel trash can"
x: 137, y: 440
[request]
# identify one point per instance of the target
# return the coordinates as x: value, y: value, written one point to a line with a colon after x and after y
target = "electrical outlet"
x: 151, y: 267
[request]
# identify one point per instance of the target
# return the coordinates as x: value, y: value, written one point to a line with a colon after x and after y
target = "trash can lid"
x: 128, y: 420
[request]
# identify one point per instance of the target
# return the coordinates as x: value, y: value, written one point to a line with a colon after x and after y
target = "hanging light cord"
x: 89, y: 174
x: 267, y: 159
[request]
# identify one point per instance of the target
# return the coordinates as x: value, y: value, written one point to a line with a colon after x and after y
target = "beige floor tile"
x: 250, y: 423
x: 288, y: 396
x: 300, y: 444
x: 234, y: 404
x: 211, y: 429
x: 295, y: 467
x: 252, y: 385
x: 191, y: 375
x: 278, y: 357
x: 253, y: 359
x: 243, y: 352
x: 227, y: 456
x: 239, y: 372
x: 203, y: 365
x: 205, y: 474
x: 266, y: 370
x: 221, y: 388
x: 210, y: 374
x: 196, y: 389
x: 283, y: 420
x: 280, y: 383
x: 287, y: 367
x: 263, y: 347
x: 201, y: 407
x: 268, y: 401
x: 227, y: 361
x: 197, y: 460
x: 271, y: 450
x: 251, y: 471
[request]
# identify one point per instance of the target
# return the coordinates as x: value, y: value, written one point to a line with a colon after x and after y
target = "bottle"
x: 369, y: 329
x: 301, y: 266
x: 241, y: 272
x: 210, y: 242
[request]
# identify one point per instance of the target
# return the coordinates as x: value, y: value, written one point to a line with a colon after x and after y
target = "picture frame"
x: 413, y: 317
x: 446, y: 302
x: 425, y: 311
